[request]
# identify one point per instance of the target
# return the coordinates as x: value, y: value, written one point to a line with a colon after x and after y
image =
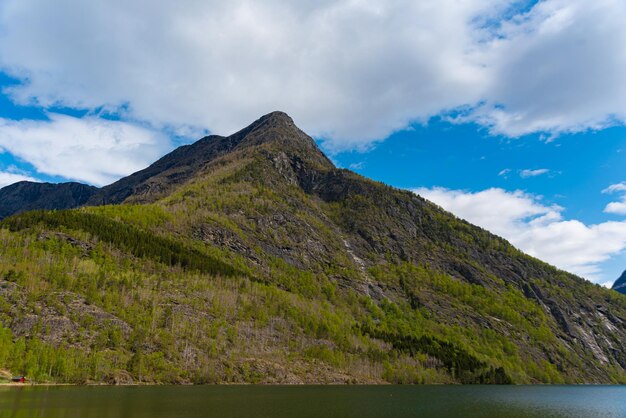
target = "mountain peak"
x: 273, y: 119
x: 277, y: 116
x: 278, y: 131
x: 275, y: 134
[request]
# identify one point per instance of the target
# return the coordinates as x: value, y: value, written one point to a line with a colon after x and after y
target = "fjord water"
x: 313, y: 401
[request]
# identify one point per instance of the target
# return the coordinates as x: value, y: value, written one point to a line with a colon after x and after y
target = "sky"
x: 508, y: 113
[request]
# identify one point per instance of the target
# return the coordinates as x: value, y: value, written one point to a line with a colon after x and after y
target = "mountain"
x: 252, y: 258
x: 187, y: 161
x: 620, y: 284
x: 26, y: 195
x: 154, y: 181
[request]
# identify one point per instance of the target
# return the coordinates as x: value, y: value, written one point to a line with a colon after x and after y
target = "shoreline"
x: 11, y: 384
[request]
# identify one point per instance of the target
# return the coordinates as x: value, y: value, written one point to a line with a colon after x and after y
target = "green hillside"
x: 263, y: 263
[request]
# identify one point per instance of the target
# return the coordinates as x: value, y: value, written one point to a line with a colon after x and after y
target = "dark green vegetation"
x: 128, y: 238
x: 251, y: 258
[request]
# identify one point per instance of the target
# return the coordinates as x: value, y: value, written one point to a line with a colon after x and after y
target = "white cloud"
x: 351, y: 71
x: 343, y: 69
x: 617, y: 208
x: 7, y: 178
x: 613, y: 188
x: 357, y: 166
x: 536, y: 228
x: 559, y: 68
x: 504, y: 173
x: 87, y: 149
x: 533, y: 173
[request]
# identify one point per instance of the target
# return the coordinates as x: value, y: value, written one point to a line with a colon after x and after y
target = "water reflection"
x: 313, y: 401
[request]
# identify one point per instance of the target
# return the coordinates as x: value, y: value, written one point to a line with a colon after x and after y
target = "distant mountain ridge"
x: 252, y: 258
x: 26, y: 195
x: 620, y: 283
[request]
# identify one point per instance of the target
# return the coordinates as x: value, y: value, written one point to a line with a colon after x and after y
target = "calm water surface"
x: 313, y: 401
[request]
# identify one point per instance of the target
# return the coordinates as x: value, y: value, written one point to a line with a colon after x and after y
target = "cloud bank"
x: 536, y: 228
x: 349, y: 71
x: 88, y: 149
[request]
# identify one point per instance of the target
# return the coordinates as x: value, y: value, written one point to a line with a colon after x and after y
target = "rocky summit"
x: 252, y: 258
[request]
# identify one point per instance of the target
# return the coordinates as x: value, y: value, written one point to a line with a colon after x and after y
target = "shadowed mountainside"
x: 25, y: 195
x: 620, y: 284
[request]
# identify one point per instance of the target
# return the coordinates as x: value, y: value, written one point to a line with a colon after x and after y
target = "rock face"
x: 620, y: 284
x: 26, y: 195
x: 420, y: 288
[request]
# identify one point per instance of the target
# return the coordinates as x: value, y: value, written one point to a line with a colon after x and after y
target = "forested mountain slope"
x: 251, y: 258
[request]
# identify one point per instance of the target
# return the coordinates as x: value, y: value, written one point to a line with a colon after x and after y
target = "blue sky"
x: 509, y: 113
